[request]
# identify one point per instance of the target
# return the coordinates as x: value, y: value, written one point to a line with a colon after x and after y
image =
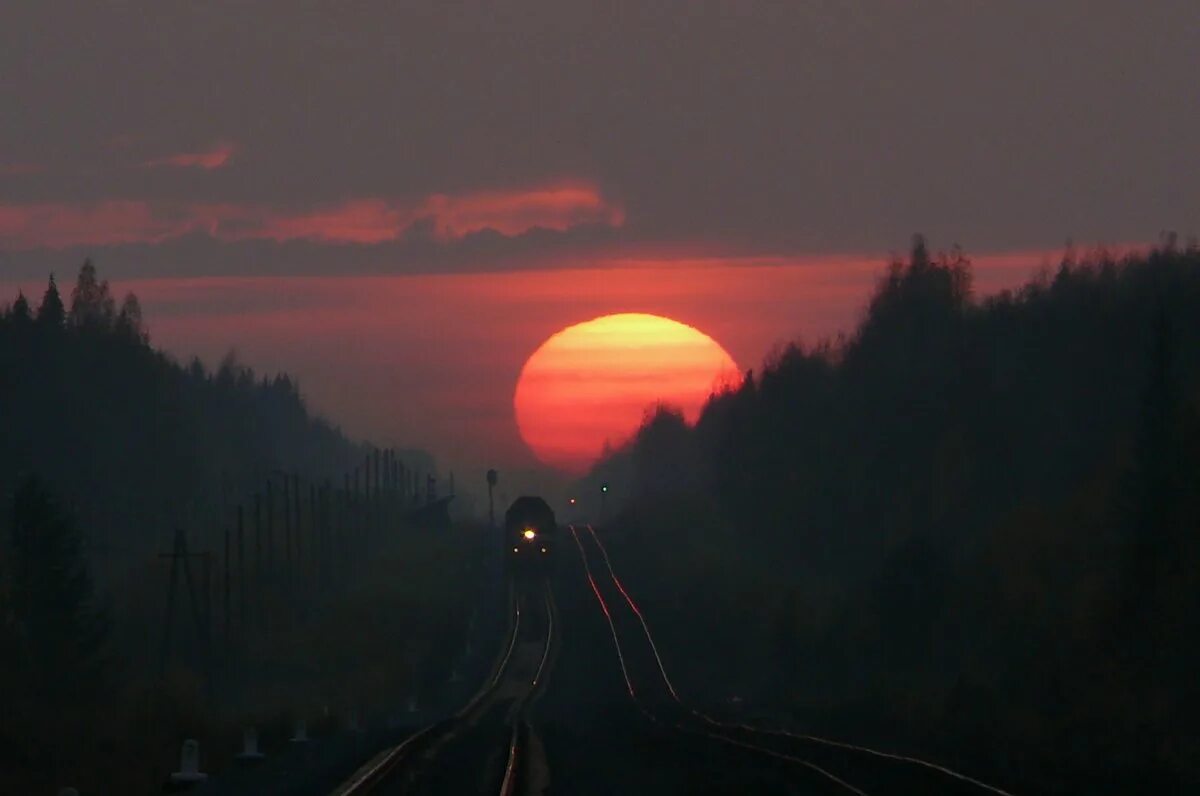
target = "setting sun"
x: 591, y: 383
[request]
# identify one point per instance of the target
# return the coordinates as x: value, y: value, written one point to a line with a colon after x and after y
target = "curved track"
x: 651, y: 688
x: 482, y: 747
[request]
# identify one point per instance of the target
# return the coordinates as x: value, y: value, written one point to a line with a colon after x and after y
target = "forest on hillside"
x: 116, y: 643
x: 969, y: 529
x: 132, y: 440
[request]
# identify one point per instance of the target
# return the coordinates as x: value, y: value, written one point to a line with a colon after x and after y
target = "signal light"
x: 604, y: 487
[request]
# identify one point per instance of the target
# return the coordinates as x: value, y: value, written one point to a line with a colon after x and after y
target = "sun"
x: 591, y: 383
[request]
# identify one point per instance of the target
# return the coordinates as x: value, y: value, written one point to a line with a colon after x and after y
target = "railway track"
x: 487, y: 746
x: 835, y: 765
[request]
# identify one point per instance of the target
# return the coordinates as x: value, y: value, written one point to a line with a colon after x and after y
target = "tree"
x: 21, y: 315
x: 91, y: 304
x: 129, y: 320
x: 1156, y: 462
x: 51, y: 313
x: 60, y: 635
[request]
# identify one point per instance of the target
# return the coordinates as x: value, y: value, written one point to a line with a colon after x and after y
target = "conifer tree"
x: 21, y: 313
x: 51, y: 313
x: 59, y: 632
x: 129, y: 320
x: 91, y: 304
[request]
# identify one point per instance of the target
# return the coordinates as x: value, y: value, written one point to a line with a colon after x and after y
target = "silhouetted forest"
x: 130, y: 439
x: 109, y: 657
x: 970, y: 529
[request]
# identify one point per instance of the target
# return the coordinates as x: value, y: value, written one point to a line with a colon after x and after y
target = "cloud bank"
x: 442, y: 216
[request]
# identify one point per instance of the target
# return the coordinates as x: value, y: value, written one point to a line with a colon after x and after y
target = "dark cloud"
x: 805, y: 127
x: 416, y: 252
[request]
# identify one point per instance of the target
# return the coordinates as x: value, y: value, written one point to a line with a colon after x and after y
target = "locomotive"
x: 529, y: 533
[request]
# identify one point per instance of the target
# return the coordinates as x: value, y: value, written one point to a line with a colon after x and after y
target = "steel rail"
x: 509, y: 783
x: 637, y: 612
x: 612, y: 629
x: 384, y: 764
x: 677, y: 725
x: 895, y: 757
x: 549, y: 635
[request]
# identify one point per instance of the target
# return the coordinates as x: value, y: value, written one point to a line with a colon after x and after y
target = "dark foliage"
x: 988, y: 513
x: 132, y: 441
x: 54, y: 631
x: 106, y: 448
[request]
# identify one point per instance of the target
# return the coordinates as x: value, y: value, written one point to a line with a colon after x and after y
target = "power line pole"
x: 491, y: 482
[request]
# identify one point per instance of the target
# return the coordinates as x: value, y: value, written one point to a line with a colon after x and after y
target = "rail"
x: 388, y: 763
x: 752, y: 729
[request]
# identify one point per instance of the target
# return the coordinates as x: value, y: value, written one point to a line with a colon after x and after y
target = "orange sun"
x: 591, y: 383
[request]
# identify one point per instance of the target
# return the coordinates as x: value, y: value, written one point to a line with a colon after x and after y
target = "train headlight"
x: 529, y: 534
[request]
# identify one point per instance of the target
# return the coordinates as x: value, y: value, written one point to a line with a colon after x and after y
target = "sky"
x: 400, y: 202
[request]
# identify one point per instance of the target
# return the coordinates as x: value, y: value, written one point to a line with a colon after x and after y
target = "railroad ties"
x: 828, y: 765
x: 487, y: 746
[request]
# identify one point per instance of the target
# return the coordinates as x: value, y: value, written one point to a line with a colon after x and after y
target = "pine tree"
x: 1156, y: 457
x: 60, y: 635
x: 52, y: 313
x: 91, y: 304
x: 21, y: 314
x: 129, y: 320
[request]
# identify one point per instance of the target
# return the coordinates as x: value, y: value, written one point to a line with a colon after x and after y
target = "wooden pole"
x: 270, y: 525
x: 241, y: 549
x: 297, y: 498
x: 287, y: 526
x: 226, y: 612
x: 260, y: 612
x: 344, y: 531
x: 313, y: 525
x: 258, y: 541
x: 367, y: 517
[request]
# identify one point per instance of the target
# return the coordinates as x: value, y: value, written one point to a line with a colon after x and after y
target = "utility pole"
x: 313, y: 527
x: 201, y: 613
x: 241, y: 548
x: 227, y: 604
x: 287, y: 526
x: 491, y: 482
x: 270, y: 525
x: 296, y: 500
x: 258, y: 542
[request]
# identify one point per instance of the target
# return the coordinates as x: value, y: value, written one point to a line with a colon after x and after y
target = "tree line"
x: 108, y: 447
x: 969, y: 526
x: 131, y: 439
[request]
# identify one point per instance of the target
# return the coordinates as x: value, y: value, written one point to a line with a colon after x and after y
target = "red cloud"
x: 214, y: 158
x: 58, y: 226
x: 361, y: 221
x: 18, y: 169
x: 355, y: 221
x: 513, y: 212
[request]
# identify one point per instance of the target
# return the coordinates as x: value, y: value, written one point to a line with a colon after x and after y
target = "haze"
x: 338, y: 141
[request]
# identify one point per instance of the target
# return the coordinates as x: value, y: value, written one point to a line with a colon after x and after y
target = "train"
x: 530, y: 534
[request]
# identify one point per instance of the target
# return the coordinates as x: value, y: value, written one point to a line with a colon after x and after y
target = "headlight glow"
x: 529, y: 533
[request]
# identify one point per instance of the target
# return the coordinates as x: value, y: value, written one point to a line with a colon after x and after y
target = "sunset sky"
x: 400, y: 206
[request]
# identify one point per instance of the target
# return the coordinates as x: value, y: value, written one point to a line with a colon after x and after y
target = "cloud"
x: 365, y: 221
x: 214, y: 158
x: 19, y: 169
x: 510, y: 213
x: 106, y: 223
